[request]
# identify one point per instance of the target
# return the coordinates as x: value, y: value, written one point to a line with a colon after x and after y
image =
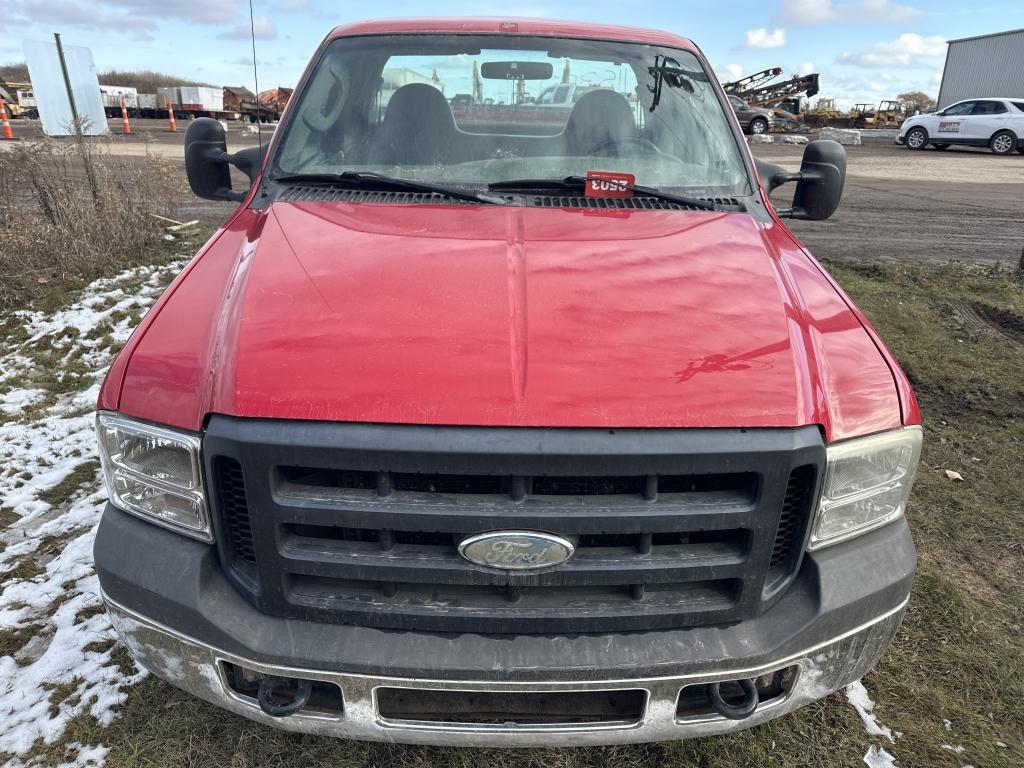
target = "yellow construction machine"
x: 890, y: 114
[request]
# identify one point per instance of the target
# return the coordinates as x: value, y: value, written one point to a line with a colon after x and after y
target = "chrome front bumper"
x: 199, y: 669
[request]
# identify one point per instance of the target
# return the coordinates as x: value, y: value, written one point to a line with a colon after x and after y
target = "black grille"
x: 623, y: 203
x: 793, y: 522
x: 320, y: 193
x: 360, y: 524
x: 234, y: 510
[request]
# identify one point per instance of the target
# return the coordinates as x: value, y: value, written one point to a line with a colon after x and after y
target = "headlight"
x: 155, y: 473
x: 867, y: 483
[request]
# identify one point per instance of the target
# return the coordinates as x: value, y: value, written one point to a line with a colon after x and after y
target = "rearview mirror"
x: 516, y: 70
x: 822, y: 178
x: 207, y: 160
x: 819, y: 183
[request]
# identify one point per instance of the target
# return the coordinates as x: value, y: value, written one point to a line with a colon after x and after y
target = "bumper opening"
x: 772, y: 688
x: 505, y: 708
x: 326, y: 699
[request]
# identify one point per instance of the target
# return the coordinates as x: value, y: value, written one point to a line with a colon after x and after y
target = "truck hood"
x: 488, y: 315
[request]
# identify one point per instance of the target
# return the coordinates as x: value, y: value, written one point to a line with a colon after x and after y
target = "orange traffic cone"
x: 4, y: 122
x: 126, y: 127
x: 170, y: 114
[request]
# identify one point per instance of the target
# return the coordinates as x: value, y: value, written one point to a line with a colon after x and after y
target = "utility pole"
x: 86, y: 158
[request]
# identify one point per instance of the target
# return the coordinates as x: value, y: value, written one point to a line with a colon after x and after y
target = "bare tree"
x: 917, y: 101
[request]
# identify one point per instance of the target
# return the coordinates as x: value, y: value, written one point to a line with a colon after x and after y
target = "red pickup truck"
x: 458, y: 435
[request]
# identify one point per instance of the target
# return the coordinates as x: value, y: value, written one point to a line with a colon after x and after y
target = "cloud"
x: 762, y: 38
x: 138, y: 18
x: 805, y: 68
x: 246, y: 61
x: 262, y: 29
x: 76, y: 15
x: 729, y: 72
x: 816, y: 12
x: 854, y: 85
x: 195, y: 11
x: 908, y: 50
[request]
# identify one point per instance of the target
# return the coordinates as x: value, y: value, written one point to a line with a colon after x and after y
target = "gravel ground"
x: 966, y: 205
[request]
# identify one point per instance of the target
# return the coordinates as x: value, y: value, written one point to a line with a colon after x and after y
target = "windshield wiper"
x: 368, y: 179
x: 663, y: 70
x: 578, y: 182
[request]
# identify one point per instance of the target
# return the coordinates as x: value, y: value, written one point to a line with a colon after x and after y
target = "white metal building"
x: 986, y: 65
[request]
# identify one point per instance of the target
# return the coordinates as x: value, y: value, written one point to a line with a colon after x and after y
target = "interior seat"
x: 418, y: 129
x: 599, y: 119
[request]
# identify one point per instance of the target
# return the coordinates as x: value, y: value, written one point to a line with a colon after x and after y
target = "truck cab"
x: 511, y: 426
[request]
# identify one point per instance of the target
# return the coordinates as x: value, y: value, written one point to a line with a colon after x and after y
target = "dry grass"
x: 55, y: 230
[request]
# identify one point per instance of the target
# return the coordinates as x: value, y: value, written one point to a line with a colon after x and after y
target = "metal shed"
x: 986, y: 65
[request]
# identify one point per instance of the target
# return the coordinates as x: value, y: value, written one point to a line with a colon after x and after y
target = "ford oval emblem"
x: 516, y: 550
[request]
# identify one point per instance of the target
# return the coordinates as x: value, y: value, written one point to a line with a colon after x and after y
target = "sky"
x: 865, y: 50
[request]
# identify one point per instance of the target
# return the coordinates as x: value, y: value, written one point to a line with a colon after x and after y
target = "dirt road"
x: 965, y: 205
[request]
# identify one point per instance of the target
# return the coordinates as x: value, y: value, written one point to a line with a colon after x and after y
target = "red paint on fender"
x: 480, y: 315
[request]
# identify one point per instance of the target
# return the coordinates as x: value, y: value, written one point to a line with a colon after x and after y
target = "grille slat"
x: 792, y: 522
x: 442, y: 565
x: 465, y: 607
x: 369, y: 536
x: 234, y: 508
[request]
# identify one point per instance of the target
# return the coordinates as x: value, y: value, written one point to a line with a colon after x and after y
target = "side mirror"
x: 207, y: 160
x: 820, y: 181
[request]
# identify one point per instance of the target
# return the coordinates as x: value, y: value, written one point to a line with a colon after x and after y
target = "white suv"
x: 996, y: 123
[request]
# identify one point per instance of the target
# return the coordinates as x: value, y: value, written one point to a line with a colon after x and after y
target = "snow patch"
x: 877, y: 757
x: 858, y: 697
x: 958, y: 749
x: 15, y: 401
x: 68, y: 667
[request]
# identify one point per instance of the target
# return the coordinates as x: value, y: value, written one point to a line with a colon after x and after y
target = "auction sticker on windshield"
x: 610, y: 184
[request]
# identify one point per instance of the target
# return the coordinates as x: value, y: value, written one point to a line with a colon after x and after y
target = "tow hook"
x: 733, y: 711
x: 294, y: 691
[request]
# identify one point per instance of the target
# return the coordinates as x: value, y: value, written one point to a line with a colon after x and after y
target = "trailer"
x: 190, y: 101
x: 201, y: 99
x: 111, y: 96
x: 147, y: 106
x: 27, y: 106
x: 238, y: 98
x: 273, y: 102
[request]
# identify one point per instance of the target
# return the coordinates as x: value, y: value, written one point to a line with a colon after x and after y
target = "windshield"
x: 473, y: 110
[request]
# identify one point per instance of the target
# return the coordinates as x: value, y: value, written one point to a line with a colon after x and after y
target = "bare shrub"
x: 54, y: 228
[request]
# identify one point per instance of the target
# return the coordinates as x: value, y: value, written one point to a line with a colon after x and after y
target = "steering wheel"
x: 613, y: 147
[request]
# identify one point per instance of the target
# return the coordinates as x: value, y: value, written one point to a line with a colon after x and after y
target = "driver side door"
x: 953, y: 123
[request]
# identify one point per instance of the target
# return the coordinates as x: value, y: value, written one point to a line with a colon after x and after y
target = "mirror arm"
x: 776, y: 180
x: 773, y: 175
x: 226, y: 158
